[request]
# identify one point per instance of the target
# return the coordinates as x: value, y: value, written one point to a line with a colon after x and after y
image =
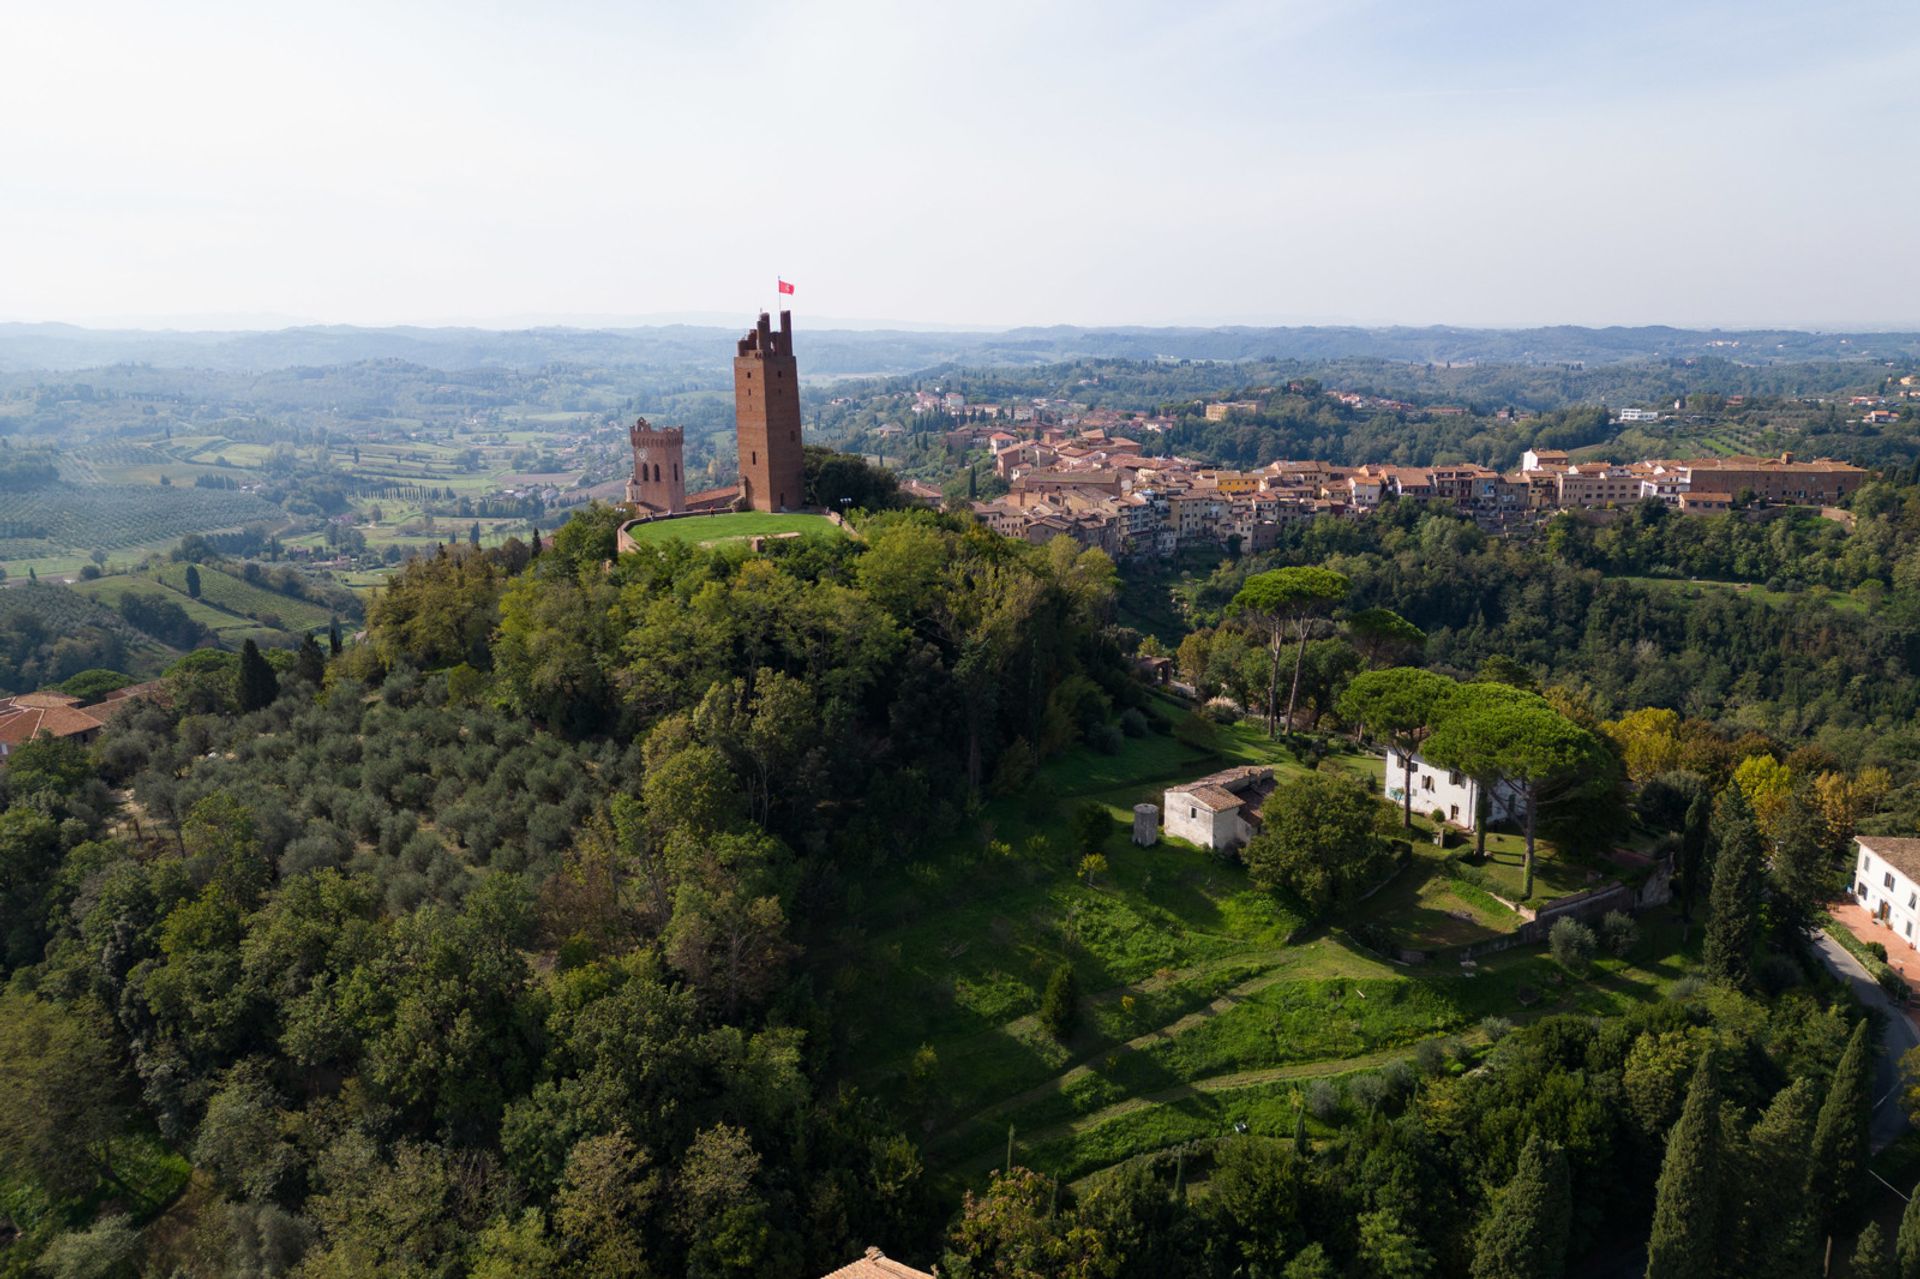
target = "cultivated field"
x: 720, y: 528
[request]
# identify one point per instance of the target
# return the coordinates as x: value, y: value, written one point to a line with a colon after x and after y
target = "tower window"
x: 756, y: 459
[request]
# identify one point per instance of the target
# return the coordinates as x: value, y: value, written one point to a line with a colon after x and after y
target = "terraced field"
x: 1206, y: 1003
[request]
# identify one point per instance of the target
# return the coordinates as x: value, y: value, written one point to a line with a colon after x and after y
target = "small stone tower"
x: 766, y: 410
x: 657, y: 485
x: 1146, y: 825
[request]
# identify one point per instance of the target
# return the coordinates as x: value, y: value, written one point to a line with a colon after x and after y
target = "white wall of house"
x: 1887, y: 894
x: 1454, y: 794
x: 1187, y: 818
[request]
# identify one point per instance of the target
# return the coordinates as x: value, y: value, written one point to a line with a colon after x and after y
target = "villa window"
x: 1888, y: 879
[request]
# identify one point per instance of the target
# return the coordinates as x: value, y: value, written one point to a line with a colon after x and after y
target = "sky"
x: 202, y: 164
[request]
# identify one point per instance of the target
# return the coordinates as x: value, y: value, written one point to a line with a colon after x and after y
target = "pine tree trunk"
x: 1406, y: 789
x: 1527, y: 876
x: 1299, y: 660
x: 1273, y: 678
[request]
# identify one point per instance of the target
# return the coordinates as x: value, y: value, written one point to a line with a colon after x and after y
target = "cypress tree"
x: 1060, y: 1003
x: 1525, y: 1236
x: 333, y: 636
x: 1301, y: 1146
x: 258, y: 685
x: 193, y: 581
x: 1693, y: 851
x: 1774, y: 1236
x: 1734, y: 905
x: 1906, y: 1245
x: 1871, y: 1260
x: 313, y: 665
x: 1840, y: 1138
x: 1686, y: 1207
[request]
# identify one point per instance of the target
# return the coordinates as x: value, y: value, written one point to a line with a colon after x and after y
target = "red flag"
x: 784, y: 286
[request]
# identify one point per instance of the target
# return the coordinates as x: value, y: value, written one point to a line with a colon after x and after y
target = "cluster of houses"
x: 1097, y: 486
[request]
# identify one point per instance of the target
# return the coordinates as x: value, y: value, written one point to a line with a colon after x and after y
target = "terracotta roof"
x: 20, y: 724
x: 1900, y: 853
x: 1217, y: 791
x: 877, y: 1265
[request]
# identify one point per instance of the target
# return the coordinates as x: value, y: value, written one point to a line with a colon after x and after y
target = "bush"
x: 1776, y: 974
x: 1877, y: 950
x: 1106, y: 738
x: 1368, y: 1091
x: 1091, y: 828
x: 1687, y: 988
x: 1618, y: 932
x: 1495, y: 1027
x: 1430, y: 1056
x: 1060, y: 1004
x: 1573, y: 944
x: 1221, y: 711
x: 1134, y: 722
x: 1323, y: 1100
x: 1893, y: 983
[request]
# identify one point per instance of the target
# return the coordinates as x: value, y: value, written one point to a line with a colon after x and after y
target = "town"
x: 1096, y: 486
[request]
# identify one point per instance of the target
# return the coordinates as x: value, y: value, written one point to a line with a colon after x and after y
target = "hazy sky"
x: 1415, y: 161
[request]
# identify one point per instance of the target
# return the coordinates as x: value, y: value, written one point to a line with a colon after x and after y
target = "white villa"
x: 1456, y: 795
x: 1220, y: 810
x: 1886, y: 882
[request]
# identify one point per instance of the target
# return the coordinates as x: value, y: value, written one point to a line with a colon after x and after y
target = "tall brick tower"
x: 766, y: 410
x: 657, y: 482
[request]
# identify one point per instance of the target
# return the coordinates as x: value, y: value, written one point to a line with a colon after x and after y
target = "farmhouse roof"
x: 1229, y: 788
x: 1903, y: 854
x: 877, y: 1265
x: 20, y: 723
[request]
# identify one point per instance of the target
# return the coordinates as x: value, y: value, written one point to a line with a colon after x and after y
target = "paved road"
x: 1889, y: 1118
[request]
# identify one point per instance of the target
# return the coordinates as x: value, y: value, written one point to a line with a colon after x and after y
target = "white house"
x: 1886, y: 882
x: 1456, y: 795
x: 1220, y: 810
x: 1639, y: 415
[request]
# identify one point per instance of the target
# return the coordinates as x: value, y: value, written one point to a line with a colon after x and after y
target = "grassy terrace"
x: 1204, y: 1001
x: 720, y: 528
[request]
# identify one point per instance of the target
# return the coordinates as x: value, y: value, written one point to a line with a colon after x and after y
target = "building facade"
x: 1886, y: 883
x: 766, y: 406
x: 1452, y: 794
x: 1221, y: 810
x: 657, y: 484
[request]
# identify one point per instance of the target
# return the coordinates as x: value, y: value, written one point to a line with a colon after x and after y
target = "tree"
x: 333, y: 636
x: 1798, y: 871
x: 193, y: 581
x: 257, y: 686
x: 1323, y: 836
x: 1686, y: 1207
x: 1495, y: 732
x: 1380, y: 634
x: 1840, y: 1138
x: 1771, y: 1234
x: 1906, y: 1245
x: 1871, y: 1259
x: 63, y: 1094
x: 1397, y: 705
x: 312, y: 664
x: 1060, y: 1003
x: 1733, y: 906
x: 1285, y: 599
x: 1525, y: 1235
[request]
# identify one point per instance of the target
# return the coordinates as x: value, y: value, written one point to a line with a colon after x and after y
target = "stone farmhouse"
x: 1221, y: 810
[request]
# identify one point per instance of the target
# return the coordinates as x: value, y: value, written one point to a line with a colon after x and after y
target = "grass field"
x: 232, y: 608
x: 720, y: 528
x: 1696, y: 588
x: 1205, y: 1001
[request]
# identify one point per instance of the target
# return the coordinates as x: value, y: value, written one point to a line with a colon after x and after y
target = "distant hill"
x: 55, y: 347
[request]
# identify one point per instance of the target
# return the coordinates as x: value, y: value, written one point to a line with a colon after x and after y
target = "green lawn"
x: 719, y: 528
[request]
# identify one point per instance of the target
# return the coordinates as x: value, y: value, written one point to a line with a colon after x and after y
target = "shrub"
x: 1687, y: 988
x: 1893, y: 983
x: 1776, y: 973
x: 1221, y: 711
x: 1618, y: 932
x: 1573, y: 944
x: 1091, y: 827
x: 1323, y: 1100
x: 1877, y: 950
x: 1368, y: 1091
x: 1106, y: 738
x: 1060, y: 1003
x: 1134, y: 722
x: 1430, y: 1056
x: 1495, y: 1027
